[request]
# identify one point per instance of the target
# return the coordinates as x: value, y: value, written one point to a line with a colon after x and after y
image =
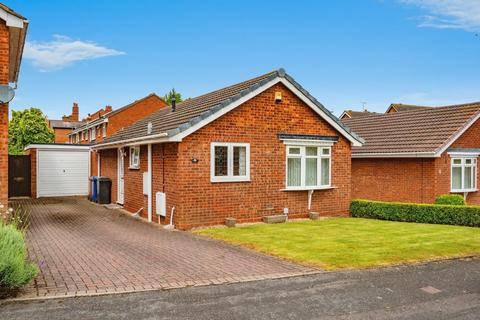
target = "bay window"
x: 308, y: 167
x: 463, y: 174
x: 229, y: 162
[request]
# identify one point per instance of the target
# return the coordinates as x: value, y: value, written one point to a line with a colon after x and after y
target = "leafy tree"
x: 172, y: 93
x: 27, y: 127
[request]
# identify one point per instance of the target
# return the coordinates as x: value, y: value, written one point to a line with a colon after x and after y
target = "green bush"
x: 451, y: 199
x: 15, y: 270
x: 413, y: 212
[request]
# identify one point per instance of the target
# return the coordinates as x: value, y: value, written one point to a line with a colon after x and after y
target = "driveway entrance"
x: 84, y: 249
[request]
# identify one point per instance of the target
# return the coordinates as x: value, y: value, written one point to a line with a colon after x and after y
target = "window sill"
x: 134, y: 168
x: 462, y: 191
x: 230, y: 180
x: 308, y: 188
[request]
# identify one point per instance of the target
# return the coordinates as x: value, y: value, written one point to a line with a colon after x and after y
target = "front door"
x: 18, y: 176
x: 121, y: 171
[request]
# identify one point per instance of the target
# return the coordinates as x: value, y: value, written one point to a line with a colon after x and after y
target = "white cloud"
x: 63, y: 51
x: 449, y: 14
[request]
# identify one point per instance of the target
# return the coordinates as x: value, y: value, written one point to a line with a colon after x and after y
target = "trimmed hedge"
x: 451, y: 199
x: 414, y: 212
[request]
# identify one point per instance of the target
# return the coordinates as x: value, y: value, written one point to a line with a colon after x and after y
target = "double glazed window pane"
x: 221, y: 161
x: 311, y: 171
x: 468, y: 178
x: 239, y: 161
x: 325, y: 172
x: 457, y: 178
x: 294, y: 175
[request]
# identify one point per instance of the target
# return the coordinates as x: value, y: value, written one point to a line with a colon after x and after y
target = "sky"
x: 348, y: 54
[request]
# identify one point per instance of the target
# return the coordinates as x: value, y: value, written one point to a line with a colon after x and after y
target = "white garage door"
x: 62, y: 173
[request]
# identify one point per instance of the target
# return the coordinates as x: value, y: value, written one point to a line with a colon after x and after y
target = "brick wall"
x: 137, y: 111
x: 394, y: 179
x: 198, y: 201
x: 33, y: 171
x: 108, y: 168
x: 4, y: 63
x: 61, y: 135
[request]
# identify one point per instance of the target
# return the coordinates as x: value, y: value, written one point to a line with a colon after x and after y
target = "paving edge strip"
x: 167, y: 287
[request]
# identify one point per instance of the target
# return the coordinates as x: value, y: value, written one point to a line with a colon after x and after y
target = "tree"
x: 172, y: 93
x: 26, y: 127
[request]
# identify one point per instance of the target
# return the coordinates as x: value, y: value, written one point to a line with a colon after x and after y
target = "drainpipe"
x: 98, y: 164
x: 149, y: 196
x: 310, y: 195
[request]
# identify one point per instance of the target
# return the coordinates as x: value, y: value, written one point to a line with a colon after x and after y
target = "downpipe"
x: 170, y: 225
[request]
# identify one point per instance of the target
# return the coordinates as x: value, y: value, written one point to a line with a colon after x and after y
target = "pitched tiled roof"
x: 400, y: 107
x: 192, y: 111
x: 422, y: 131
x: 64, y: 124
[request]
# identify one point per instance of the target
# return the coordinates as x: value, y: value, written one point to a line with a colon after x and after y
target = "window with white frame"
x: 104, y: 130
x: 134, y: 157
x: 463, y: 174
x: 229, y: 162
x: 308, y: 167
x: 92, y: 133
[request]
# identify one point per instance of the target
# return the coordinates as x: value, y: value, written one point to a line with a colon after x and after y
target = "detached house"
x: 261, y: 147
x: 417, y: 155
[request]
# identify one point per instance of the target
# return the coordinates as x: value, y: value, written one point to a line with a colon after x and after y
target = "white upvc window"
x: 92, y: 133
x: 463, y: 174
x: 104, y: 130
x: 134, y: 161
x: 229, y: 162
x: 308, y: 167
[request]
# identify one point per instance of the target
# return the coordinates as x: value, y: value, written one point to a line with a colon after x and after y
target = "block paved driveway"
x: 84, y: 249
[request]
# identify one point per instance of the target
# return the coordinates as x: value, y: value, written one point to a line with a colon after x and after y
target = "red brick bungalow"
x: 417, y: 155
x: 261, y: 147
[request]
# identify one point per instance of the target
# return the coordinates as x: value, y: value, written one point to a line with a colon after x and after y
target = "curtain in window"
x: 294, y: 172
x: 311, y: 171
x: 468, y: 178
x: 457, y: 178
x: 239, y: 161
x: 325, y: 172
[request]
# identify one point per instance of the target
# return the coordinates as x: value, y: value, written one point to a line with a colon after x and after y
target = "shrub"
x: 15, y: 270
x: 413, y: 212
x: 451, y: 199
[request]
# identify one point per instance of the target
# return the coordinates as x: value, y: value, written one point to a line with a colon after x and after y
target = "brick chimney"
x: 75, y: 112
x: 108, y: 109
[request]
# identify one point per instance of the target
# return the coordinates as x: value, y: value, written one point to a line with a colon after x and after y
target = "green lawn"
x: 353, y: 242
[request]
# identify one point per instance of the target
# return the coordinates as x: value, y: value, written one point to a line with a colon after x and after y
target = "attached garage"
x: 59, y: 170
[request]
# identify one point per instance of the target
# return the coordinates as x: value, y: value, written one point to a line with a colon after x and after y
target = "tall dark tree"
x: 26, y: 127
x: 172, y: 93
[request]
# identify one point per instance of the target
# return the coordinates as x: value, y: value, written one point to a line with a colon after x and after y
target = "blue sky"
x: 343, y: 52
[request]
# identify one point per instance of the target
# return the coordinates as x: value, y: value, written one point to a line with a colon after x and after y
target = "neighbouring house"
x: 13, y: 30
x: 399, y: 107
x: 61, y: 169
x: 106, y: 122
x: 416, y: 156
x: 261, y: 147
x: 62, y: 128
x: 348, y: 114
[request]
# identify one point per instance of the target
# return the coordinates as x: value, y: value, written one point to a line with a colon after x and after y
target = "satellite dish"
x: 6, y: 94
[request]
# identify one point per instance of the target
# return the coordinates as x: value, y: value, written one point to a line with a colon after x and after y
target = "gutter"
x: 156, y: 138
x: 397, y: 155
